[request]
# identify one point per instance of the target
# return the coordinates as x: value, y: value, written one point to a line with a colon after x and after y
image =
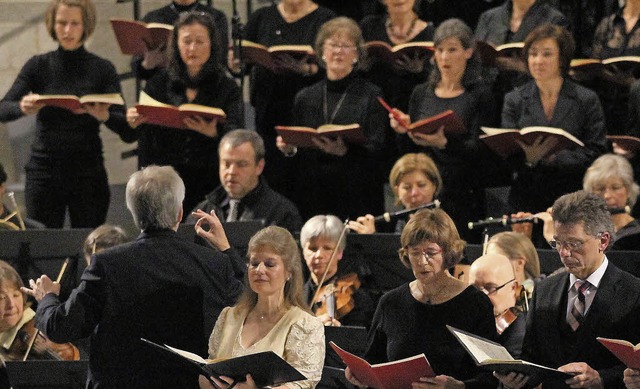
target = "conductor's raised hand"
x: 438, y: 139
x: 207, y: 128
x: 41, y: 287
x: 209, y: 228
x: 28, y: 104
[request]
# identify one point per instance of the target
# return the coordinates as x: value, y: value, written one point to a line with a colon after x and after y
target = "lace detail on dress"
x: 305, y: 350
x: 216, y: 336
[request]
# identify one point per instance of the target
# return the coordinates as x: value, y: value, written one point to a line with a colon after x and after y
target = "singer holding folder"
x: 270, y: 315
x: 412, y: 318
x: 454, y: 84
x: 416, y: 182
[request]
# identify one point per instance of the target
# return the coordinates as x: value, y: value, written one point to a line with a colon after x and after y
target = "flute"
x: 388, y: 216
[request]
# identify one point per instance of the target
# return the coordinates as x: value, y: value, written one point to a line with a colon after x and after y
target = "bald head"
x: 491, y: 272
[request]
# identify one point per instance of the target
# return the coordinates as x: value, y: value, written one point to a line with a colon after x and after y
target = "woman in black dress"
x: 290, y: 22
x: 335, y: 178
x: 194, y: 76
x: 66, y: 168
x: 454, y: 84
x: 412, y: 318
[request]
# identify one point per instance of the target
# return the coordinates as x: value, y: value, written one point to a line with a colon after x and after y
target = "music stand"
x: 333, y: 378
x: 375, y: 258
x: 350, y: 338
x: 37, y: 252
x: 47, y: 374
x: 628, y: 261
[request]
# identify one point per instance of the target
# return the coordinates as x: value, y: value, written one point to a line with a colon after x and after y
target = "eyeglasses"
x: 489, y: 290
x: 571, y: 245
x: 417, y: 255
x: 335, y: 46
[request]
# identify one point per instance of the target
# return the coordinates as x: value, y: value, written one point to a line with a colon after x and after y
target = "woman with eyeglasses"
x: 412, y: 318
x: 335, y: 177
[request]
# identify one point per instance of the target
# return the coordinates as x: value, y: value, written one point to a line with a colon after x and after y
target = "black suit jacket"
x: 159, y: 287
x: 577, y: 111
x: 614, y: 313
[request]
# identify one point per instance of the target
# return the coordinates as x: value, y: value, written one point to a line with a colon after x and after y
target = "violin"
x: 32, y: 344
x: 505, y: 319
x: 336, y: 298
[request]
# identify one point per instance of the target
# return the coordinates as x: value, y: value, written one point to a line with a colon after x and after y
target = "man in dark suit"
x: 158, y: 287
x: 243, y: 194
x: 593, y: 298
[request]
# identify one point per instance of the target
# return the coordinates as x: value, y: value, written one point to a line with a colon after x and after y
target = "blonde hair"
x: 612, y: 166
x: 87, y: 8
x: 515, y: 246
x: 281, y: 242
x: 415, y: 162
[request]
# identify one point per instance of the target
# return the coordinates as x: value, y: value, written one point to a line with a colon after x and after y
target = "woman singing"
x: 454, y: 84
x: 552, y: 100
x: 342, y: 170
x: 66, y: 168
x: 194, y: 76
x: 412, y: 318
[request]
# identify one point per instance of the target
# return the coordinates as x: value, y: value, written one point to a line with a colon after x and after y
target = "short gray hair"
x: 237, y: 137
x: 154, y: 197
x: 327, y: 226
x: 612, y: 166
x: 585, y: 207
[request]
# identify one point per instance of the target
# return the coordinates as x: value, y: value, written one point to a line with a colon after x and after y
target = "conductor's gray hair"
x: 154, y: 197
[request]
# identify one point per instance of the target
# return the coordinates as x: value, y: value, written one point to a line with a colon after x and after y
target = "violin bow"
x: 333, y: 257
x: 32, y: 341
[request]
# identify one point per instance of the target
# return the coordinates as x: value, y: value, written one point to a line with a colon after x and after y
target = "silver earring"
x: 324, y: 58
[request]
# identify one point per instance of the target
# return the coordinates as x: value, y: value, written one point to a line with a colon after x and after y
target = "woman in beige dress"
x: 270, y: 315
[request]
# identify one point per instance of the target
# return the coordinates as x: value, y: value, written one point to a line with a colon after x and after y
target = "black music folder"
x: 266, y: 368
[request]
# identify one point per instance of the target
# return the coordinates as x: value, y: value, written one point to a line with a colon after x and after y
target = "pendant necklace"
x: 325, y: 106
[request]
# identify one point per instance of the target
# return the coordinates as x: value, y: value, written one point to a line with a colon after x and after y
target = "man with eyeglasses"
x: 593, y: 298
x: 493, y: 274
